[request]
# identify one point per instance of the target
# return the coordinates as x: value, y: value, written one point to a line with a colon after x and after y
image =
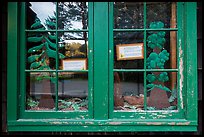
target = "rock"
x: 134, y: 100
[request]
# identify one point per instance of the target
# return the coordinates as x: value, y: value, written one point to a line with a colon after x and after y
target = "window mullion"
x: 100, y: 60
x: 145, y: 73
x: 57, y: 60
x: 22, y: 67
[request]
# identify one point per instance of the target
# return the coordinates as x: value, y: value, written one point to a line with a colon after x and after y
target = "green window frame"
x: 101, y: 115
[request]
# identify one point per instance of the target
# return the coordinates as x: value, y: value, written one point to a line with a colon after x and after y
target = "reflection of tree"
x: 68, y: 14
x: 71, y: 12
x: 75, y: 50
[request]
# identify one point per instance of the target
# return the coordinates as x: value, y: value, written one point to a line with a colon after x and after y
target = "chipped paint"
x: 181, y: 73
x: 172, y: 123
x: 142, y: 117
x: 161, y: 116
x: 91, y: 123
x: 55, y: 123
x: 151, y: 123
x: 82, y: 117
x: 117, y: 123
x: 183, y: 123
x: 154, y: 123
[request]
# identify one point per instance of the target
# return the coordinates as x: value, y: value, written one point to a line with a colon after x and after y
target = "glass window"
x: 145, y: 56
x: 57, y: 72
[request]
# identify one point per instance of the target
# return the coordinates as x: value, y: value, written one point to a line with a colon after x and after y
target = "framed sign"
x: 74, y: 64
x: 130, y: 51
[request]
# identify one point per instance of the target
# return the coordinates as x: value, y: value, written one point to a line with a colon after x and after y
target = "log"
x: 118, y: 98
x: 46, y: 100
x: 173, y: 57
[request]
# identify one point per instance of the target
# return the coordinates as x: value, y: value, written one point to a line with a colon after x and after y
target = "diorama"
x: 58, y: 61
x: 160, y: 86
x: 48, y: 51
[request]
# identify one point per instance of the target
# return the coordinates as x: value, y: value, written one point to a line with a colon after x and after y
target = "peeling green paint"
x: 100, y: 116
x: 185, y: 123
x: 181, y: 80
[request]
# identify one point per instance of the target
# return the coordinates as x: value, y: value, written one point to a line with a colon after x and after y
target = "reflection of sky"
x: 43, y: 10
x: 46, y: 9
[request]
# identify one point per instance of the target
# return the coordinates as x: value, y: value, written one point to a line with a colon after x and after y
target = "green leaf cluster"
x: 152, y: 86
x: 162, y: 77
x: 157, y: 60
x: 156, y: 39
x: 39, y: 54
x: 31, y: 103
x: 72, y: 104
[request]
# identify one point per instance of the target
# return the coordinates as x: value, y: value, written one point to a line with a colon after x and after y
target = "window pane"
x: 161, y: 11
x: 161, y: 50
x: 73, y: 91
x: 128, y: 91
x: 41, y: 51
x: 130, y: 59
x: 74, y: 47
x: 128, y: 15
x: 40, y: 91
x: 162, y: 90
x: 73, y: 15
x: 41, y: 15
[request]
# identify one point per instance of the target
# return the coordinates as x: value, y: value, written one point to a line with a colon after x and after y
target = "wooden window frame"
x: 102, y: 117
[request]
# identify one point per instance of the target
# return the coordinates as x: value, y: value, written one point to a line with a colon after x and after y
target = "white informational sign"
x: 130, y: 51
x: 74, y: 64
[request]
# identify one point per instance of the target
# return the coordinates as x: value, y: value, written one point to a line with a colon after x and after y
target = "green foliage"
x: 157, y: 60
x: 40, y: 54
x: 162, y: 77
x: 53, y: 45
x: 36, y: 48
x: 168, y: 108
x: 51, y: 22
x: 152, y: 60
x: 37, y: 24
x: 35, y: 39
x: 51, y: 53
x: 151, y: 78
x: 151, y: 108
x: 31, y: 103
x: 173, y: 95
x: 75, y: 105
x: 156, y: 25
x: 156, y: 39
x: 33, y: 58
x: 152, y: 86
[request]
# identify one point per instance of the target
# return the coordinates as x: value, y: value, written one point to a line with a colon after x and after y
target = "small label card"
x: 74, y: 64
x: 130, y: 51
